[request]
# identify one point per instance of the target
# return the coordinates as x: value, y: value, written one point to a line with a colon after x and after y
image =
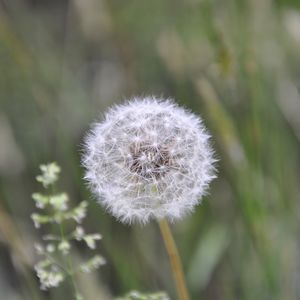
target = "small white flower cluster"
x: 49, y: 174
x: 60, y: 209
x: 92, y: 264
x: 51, y: 270
x: 135, y: 295
x: 149, y: 159
x: 49, y: 274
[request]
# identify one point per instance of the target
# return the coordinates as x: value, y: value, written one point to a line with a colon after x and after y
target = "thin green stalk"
x: 69, y: 260
x: 175, y: 261
x: 70, y: 268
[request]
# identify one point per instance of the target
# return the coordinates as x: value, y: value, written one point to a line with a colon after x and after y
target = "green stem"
x: 70, y: 268
x: 175, y: 261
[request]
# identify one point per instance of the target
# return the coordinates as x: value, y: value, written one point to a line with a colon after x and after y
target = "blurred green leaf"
x: 208, y: 253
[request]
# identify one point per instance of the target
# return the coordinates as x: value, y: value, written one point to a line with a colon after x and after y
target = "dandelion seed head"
x: 148, y: 159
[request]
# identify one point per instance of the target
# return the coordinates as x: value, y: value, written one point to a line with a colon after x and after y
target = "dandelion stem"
x: 174, y: 260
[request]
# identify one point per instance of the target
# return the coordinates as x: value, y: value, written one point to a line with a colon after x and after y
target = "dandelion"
x: 148, y: 159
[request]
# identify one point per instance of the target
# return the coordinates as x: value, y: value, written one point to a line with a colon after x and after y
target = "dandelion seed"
x: 149, y: 159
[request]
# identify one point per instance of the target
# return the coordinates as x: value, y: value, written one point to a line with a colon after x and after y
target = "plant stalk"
x: 174, y: 258
x: 70, y: 269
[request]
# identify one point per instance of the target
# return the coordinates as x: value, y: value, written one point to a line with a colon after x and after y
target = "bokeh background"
x: 236, y: 63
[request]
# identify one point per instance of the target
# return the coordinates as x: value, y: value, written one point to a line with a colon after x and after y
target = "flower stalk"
x: 174, y: 258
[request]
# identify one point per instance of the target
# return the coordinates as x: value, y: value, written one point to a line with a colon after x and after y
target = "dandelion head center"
x: 149, y: 161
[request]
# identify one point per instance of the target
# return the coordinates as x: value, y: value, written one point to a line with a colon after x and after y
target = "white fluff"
x: 148, y: 159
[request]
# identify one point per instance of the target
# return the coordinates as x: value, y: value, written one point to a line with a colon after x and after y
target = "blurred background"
x: 236, y: 63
